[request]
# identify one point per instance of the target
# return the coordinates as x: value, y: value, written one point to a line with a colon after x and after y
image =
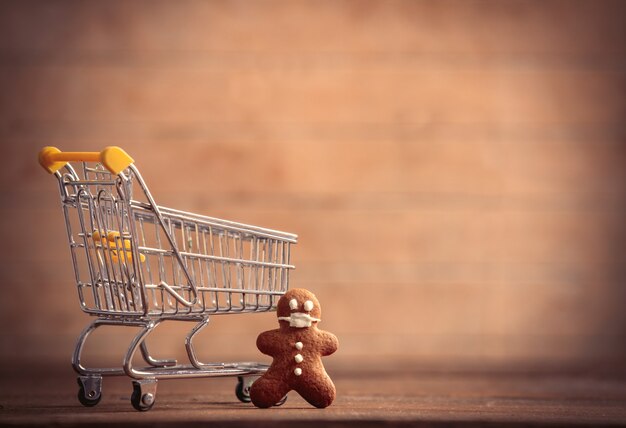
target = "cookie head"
x: 299, y: 307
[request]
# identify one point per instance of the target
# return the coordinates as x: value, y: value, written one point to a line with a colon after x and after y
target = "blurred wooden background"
x: 455, y: 169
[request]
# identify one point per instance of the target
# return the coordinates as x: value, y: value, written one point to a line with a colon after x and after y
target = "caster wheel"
x: 143, y: 396
x: 89, y: 391
x: 282, y: 401
x: 242, y: 390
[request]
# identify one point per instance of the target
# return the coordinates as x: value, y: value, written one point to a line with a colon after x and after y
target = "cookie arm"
x: 266, y: 343
x: 330, y: 343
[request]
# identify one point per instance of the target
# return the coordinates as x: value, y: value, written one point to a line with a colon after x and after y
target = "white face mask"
x: 299, y: 320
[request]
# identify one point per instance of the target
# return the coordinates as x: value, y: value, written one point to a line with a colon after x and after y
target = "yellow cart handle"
x: 113, y: 158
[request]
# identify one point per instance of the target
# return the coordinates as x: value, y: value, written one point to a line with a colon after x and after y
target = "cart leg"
x: 153, y: 361
x: 193, y: 359
x: 144, y: 394
x: 80, y: 344
x: 139, y: 374
x: 90, y: 390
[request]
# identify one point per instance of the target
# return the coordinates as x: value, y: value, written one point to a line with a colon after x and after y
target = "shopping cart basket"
x: 139, y: 264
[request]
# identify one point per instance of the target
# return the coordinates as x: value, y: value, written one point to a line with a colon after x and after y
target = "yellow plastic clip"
x: 120, y: 247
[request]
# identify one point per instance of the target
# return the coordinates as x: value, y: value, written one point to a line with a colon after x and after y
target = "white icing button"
x: 297, y: 371
x: 293, y: 304
x: 299, y: 345
x: 298, y: 358
x: 308, y: 305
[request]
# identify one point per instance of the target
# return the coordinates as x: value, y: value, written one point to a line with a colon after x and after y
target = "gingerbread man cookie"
x: 297, y: 348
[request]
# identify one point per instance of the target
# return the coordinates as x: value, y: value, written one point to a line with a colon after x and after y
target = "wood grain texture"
x: 454, y: 169
x: 373, y: 398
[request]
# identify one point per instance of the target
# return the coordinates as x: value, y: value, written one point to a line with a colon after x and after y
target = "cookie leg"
x: 267, y: 391
x: 319, y: 392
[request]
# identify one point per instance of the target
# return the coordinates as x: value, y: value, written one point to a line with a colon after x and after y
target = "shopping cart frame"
x: 120, y: 288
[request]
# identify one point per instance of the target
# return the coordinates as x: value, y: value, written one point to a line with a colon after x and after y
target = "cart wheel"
x: 89, y: 390
x: 282, y: 401
x: 144, y: 395
x: 242, y: 390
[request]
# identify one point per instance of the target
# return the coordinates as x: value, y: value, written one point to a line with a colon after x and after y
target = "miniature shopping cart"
x: 139, y: 264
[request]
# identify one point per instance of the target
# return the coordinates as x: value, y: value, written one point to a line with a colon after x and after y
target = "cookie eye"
x: 308, y: 305
x: 293, y: 304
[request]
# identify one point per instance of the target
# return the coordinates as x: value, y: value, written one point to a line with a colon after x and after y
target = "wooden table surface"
x: 372, y: 397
